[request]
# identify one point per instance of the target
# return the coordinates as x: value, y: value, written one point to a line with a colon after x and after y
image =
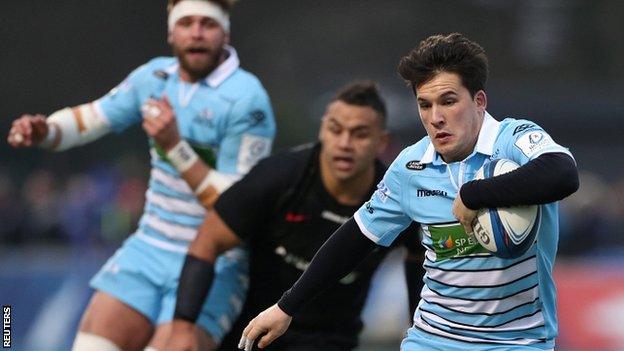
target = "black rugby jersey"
x: 284, y: 213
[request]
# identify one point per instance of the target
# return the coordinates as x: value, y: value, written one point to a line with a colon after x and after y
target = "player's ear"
x: 480, y: 100
x: 169, y: 38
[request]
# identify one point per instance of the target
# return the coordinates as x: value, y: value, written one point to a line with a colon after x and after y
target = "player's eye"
x: 448, y: 102
x: 361, y: 134
x: 424, y: 105
x: 185, y: 22
x: 334, y: 129
x: 209, y: 23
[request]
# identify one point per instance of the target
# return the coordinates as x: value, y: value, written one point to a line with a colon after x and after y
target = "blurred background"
x: 558, y: 63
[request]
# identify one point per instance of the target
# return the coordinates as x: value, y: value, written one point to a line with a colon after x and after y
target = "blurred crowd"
x: 101, y: 206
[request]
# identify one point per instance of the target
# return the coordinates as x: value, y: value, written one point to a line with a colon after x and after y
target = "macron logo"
x: 425, y: 192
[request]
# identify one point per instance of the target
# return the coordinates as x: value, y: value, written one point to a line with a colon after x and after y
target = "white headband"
x: 198, y: 8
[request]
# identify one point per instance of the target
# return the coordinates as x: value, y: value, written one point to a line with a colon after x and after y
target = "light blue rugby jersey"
x: 227, y: 117
x: 470, y: 295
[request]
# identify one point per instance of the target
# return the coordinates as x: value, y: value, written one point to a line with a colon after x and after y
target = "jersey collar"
x: 219, y: 74
x: 225, y: 69
x: 485, y: 141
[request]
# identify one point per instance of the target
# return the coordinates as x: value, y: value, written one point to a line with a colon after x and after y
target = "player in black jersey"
x: 285, y: 209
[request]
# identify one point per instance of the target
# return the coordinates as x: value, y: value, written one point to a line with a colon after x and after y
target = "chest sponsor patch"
x: 533, y: 143
x: 451, y: 240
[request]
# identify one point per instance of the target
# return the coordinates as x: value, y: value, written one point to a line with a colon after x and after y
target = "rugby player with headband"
x: 208, y: 121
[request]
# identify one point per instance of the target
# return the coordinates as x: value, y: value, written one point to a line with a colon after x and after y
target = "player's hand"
x: 272, y: 322
x: 464, y: 215
x: 159, y: 122
x: 28, y: 131
x: 182, y: 337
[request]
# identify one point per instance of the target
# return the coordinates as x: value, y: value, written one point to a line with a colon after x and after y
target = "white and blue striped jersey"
x: 470, y: 295
x: 227, y: 118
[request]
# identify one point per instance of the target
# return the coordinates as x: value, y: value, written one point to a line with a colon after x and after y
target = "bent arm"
x: 63, y: 129
x: 549, y: 177
x: 207, y: 183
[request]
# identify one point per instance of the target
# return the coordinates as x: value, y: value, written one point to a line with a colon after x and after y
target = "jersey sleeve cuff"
x: 364, y: 230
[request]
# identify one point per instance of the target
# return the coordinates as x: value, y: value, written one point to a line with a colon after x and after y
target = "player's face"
x: 198, y: 43
x: 451, y: 116
x: 351, y: 137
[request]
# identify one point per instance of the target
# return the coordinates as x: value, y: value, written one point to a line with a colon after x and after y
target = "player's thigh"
x: 112, y: 319
x: 163, y: 332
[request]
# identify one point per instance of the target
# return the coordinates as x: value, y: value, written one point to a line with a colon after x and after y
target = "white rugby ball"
x: 507, y: 232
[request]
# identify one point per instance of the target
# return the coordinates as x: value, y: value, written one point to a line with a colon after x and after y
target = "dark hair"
x: 226, y: 5
x: 446, y: 53
x: 363, y: 93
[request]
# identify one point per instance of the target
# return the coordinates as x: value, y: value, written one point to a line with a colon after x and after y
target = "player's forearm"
x: 74, y: 126
x: 548, y: 178
x: 340, y: 254
x: 195, y: 281
x: 206, y: 183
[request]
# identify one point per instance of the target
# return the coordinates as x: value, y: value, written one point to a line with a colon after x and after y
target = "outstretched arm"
x: 340, y: 254
x: 62, y: 130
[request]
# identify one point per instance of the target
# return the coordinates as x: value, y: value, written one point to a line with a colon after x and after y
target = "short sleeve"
x: 121, y: 106
x: 525, y: 141
x: 249, y: 134
x: 382, y: 218
x: 250, y: 201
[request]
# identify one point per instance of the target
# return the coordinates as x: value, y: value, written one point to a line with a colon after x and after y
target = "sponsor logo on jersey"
x: 296, y: 217
x: 383, y: 192
x: 257, y: 117
x: 446, y: 243
x: 415, y: 165
x: 523, y: 127
x: 334, y: 217
x: 369, y: 207
x: 450, y: 240
x: 301, y: 264
x: 534, y: 143
x: 252, y: 149
x: 292, y: 259
x: 535, y: 138
x: 161, y: 74
x: 427, y: 192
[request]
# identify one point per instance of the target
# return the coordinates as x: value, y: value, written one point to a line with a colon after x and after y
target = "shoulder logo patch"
x: 161, y: 74
x: 415, y: 165
x: 257, y: 117
x: 523, y: 127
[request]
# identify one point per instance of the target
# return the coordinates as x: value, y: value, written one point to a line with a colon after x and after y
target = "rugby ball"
x: 507, y: 232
